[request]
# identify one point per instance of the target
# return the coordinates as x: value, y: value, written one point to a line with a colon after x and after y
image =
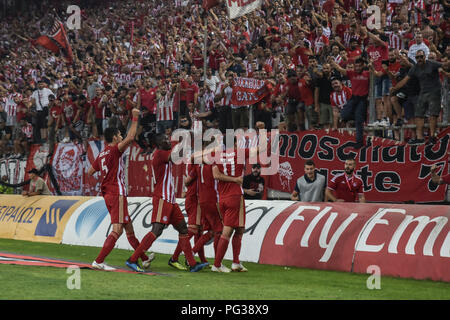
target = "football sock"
x: 222, y: 247
x: 176, y: 254
x: 216, y: 240
x: 143, y: 246
x: 183, y: 240
x: 236, y: 244
x: 134, y: 242
x: 108, y: 245
x: 200, y: 243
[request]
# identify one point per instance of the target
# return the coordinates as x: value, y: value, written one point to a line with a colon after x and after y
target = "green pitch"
x: 261, y: 282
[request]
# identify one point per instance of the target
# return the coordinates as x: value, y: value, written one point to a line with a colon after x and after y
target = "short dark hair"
x: 310, y: 163
x: 350, y: 158
x: 109, y: 134
x: 158, y: 139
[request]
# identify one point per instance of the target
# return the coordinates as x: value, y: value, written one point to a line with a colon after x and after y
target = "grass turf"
x: 266, y: 282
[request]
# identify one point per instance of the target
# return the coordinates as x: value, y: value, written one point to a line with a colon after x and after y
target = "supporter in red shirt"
x: 146, y: 101
x: 307, y: 97
x: 346, y: 186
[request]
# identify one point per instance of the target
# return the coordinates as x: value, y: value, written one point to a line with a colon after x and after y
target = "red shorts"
x: 232, y: 210
x: 165, y: 212
x: 193, y: 212
x: 211, y: 218
x: 118, y: 208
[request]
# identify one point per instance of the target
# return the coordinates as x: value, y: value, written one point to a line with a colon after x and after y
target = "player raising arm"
x: 111, y: 165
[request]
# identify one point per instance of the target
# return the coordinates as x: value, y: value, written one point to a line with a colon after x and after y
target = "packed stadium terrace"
x: 150, y: 54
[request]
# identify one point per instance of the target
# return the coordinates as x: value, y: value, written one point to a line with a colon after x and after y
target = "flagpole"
x: 205, y: 43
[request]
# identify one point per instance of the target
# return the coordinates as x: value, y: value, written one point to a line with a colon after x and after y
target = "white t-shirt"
x: 41, y: 97
x: 212, y: 83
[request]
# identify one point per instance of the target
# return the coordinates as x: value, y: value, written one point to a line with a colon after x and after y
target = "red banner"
x: 391, y: 171
x: 410, y: 241
x: 247, y: 91
x: 67, y: 166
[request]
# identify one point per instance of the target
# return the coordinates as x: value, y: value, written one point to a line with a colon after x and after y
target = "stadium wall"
x: 411, y: 241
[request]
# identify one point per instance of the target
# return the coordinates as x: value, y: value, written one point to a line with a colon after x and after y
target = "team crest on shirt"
x: 165, y: 219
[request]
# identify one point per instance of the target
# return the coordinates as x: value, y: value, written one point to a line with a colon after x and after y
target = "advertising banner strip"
x: 37, y: 218
x: 410, y: 241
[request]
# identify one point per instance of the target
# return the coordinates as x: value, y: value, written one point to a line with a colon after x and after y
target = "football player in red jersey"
x: 165, y: 209
x: 110, y: 163
x: 192, y: 208
x: 230, y: 172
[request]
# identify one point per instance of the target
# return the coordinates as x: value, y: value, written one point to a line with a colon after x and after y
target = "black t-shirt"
x: 254, y: 183
x: 428, y: 75
x: 325, y: 89
x: 412, y: 87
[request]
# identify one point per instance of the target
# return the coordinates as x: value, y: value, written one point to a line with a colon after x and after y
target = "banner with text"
x: 410, y: 241
x: 402, y: 240
x: 37, y: 218
x: 391, y: 171
x: 248, y: 91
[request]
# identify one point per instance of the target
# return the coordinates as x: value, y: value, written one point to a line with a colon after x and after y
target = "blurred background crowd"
x: 151, y: 54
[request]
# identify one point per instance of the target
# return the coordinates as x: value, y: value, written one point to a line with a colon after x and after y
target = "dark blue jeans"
x: 356, y: 109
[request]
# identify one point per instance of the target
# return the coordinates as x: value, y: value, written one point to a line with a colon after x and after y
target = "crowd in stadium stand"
x: 307, y: 51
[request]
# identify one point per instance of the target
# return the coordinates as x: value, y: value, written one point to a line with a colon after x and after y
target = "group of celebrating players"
x: 214, y: 203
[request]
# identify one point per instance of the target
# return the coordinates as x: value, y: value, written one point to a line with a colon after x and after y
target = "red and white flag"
x: 58, y: 34
x: 238, y: 8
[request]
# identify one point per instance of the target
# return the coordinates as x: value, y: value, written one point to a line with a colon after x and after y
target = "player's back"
x: 111, y: 165
x: 192, y: 189
x: 208, y: 186
x: 231, y: 165
x: 162, y: 176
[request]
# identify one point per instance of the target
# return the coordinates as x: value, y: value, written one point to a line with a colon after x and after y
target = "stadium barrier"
x: 411, y: 241
x: 36, y: 218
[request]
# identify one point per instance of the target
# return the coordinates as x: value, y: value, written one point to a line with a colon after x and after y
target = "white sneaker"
x: 222, y: 268
x: 102, y: 266
x: 374, y: 124
x: 238, y: 267
x: 146, y: 263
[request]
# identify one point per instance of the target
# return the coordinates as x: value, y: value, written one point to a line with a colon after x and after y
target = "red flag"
x: 46, y: 42
x: 208, y: 4
x: 60, y: 36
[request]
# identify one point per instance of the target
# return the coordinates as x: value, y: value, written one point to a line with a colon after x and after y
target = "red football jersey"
x: 162, y: 175
x: 231, y: 166
x: 111, y: 165
x: 191, y: 171
x: 207, y: 187
x: 346, y: 188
